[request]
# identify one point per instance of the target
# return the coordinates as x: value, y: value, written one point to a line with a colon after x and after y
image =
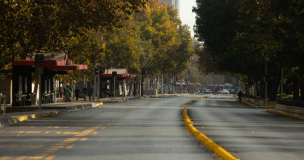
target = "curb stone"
x: 190, y: 102
x: 9, y: 120
x: 218, y: 150
x: 286, y: 114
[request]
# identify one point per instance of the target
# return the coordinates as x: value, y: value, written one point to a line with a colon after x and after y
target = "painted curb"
x: 286, y: 114
x: 32, y: 116
x: 190, y: 102
x: 99, y: 104
x: 257, y: 106
x: 203, y: 97
x: 218, y: 150
x: 115, y: 101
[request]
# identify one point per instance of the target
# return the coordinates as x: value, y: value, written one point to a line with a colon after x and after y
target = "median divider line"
x: 286, y: 114
x: 218, y: 150
x: 203, y: 97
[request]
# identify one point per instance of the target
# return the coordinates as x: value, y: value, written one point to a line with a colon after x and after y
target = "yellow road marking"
x: 57, y: 132
x: 113, y: 120
x: 51, y: 157
x: 27, y: 126
x: 21, y: 158
x: 83, y: 139
x: 14, y: 145
x: 5, y: 158
x: 57, y: 146
x: 118, y: 118
x: 103, y: 127
x: 70, y: 146
x: 12, y: 131
x: 109, y: 124
x: 71, y: 139
x: 52, y: 149
x: 33, y: 131
x: 94, y: 132
x: 32, y: 146
x: 70, y: 132
x: 35, y: 157
x: 47, y: 151
x: 41, y: 154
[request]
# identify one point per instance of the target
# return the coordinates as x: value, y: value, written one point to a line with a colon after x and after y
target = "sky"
x: 186, y: 14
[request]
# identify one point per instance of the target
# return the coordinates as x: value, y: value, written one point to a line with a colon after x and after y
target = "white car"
x: 225, y: 92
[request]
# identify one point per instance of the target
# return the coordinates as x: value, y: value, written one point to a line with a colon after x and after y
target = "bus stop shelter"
x: 54, y: 63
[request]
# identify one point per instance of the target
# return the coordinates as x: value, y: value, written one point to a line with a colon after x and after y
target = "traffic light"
x: 188, y: 72
x: 39, y: 63
x: 96, y: 70
x: 176, y: 78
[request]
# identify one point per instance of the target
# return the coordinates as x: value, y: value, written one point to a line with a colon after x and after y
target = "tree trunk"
x: 295, y: 88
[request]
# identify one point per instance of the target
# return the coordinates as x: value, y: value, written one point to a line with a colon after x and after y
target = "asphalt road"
x: 248, y: 133
x: 153, y: 129
x: 141, y: 129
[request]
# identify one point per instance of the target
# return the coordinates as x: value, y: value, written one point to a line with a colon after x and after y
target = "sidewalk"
x: 18, y: 114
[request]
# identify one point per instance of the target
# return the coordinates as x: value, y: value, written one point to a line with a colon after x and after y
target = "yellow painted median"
x: 190, y: 102
x: 286, y: 114
x: 218, y: 150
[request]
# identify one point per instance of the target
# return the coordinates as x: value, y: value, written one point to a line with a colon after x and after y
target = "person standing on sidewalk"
x: 85, y: 91
x: 90, y: 92
x: 67, y: 94
x: 77, y: 93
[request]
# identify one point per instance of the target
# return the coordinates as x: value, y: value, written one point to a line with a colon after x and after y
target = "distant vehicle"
x: 225, y: 91
x: 207, y: 91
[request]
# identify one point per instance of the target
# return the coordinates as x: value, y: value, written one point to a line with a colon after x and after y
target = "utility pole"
x: 39, y: 65
x: 266, y: 79
x: 162, y: 84
x: 282, y: 82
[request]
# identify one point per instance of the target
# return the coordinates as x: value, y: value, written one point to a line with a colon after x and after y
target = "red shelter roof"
x: 52, y: 61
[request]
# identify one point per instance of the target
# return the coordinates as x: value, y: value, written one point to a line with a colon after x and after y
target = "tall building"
x: 175, y: 3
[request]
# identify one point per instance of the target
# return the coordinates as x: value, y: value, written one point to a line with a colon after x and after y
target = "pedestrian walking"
x: 90, y: 92
x: 85, y: 91
x: 240, y: 94
x: 67, y: 94
x: 77, y: 93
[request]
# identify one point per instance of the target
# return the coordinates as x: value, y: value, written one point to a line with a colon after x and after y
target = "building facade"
x: 175, y: 3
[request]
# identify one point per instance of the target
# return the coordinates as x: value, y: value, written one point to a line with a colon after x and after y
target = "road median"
x: 218, y: 150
